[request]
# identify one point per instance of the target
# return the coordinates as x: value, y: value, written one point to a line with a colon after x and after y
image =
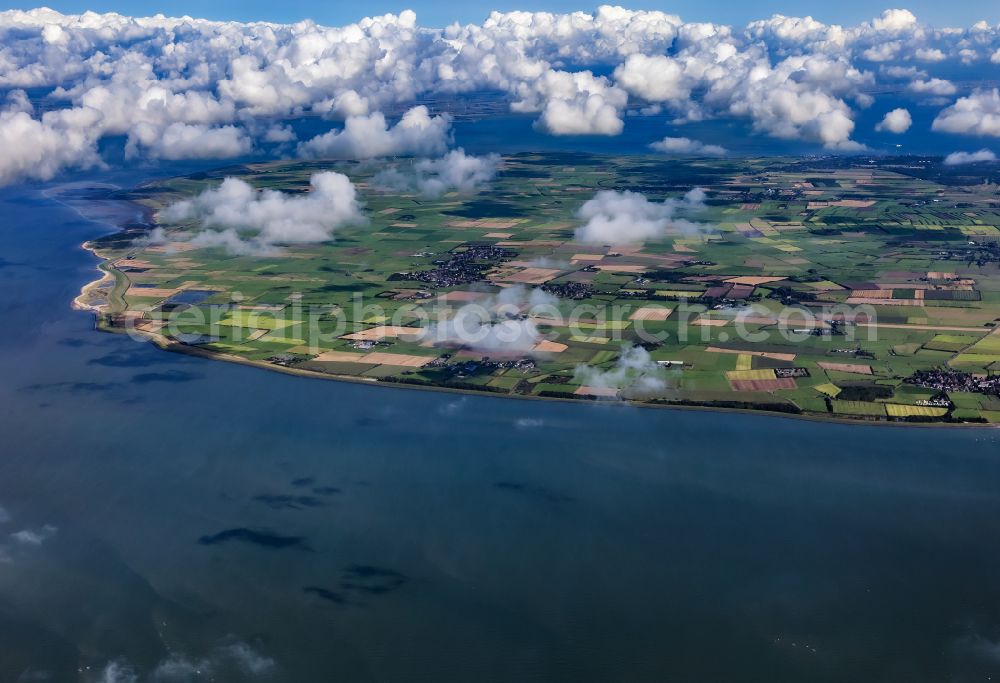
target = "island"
x: 860, y: 288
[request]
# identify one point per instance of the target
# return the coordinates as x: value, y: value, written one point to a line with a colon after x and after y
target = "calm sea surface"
x: 169, y: 519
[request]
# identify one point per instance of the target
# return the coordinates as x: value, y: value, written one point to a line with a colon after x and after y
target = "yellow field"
x: 899, y: 410
x: 256, y: 320
x: 859, y: 408
x: 750, y: 374
x: 678, y: 293
x: 831, y: 390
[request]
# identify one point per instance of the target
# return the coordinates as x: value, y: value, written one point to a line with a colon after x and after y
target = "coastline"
x: 108, y: 277
x: 171, y: 346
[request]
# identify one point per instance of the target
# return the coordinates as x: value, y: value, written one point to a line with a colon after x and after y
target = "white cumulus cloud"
x: 613, y: 217
x: 933, y: 86
x: 270, y: 217
x: 977, y: 114
x: 455, y: 171
x: 499, y: 323
x: 190, y: 141
x: 634, y: 373
x: 366, y: 137
x: 655, y: 78
x: 895, y: 121
x: 34, y: 537
x: 688, y: 147
x: 187, y: 87
x: 958, y: 158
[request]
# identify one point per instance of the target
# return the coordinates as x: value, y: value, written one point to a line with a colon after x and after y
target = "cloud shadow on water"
x: 73, y: 387
x: 371, y: 580
x: 287, y: 502
x: 139, y: 357
x: 258, y: 537
x: 538, y: 492
x: 327, y: 594
x: 360, y: 580
x: 175, y: 376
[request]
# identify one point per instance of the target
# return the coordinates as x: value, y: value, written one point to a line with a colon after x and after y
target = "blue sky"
x: 441, y: 12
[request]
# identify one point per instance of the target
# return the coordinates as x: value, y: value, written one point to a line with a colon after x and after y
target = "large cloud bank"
x: 613, y: 217
x: 254, y: 220
x: 182, y: 87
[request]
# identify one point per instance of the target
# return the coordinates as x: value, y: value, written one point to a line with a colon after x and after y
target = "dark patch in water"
x: 258, y: 537
x: 310, y: 482
x: 371, y: 580
x: 539, y: 492
x: 368, y: 421
x: 73, y: 342
x: 169, y: 376
x: 134, y: 359
x: 326, y: 594
x: 283, y: 502
x: 74, y: 387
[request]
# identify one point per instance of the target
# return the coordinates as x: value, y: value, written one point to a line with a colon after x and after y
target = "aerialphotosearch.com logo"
x: 513, y: 320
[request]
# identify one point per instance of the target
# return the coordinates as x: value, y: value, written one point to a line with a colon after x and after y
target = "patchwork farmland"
x: 865, y: 289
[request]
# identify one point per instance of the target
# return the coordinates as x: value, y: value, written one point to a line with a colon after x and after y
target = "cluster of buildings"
x: 950, y: 380
x: 462, y: 268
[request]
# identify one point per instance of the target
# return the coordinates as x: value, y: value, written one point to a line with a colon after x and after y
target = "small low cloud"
x: 688, y: 147
x: 500, y: 323
x: 529, y: 422
x: 34, y: 537
x: 455, y: 171
x: 976, y: 114
x: 118, y: 672
x: 246, y: 659
x: 613, y: 217
x: 635, y: 373
x: 279, y: 133
x: 932, y: 86
x: 584, y: 114
x: 895, y: 121
x: 255, y: 220
x: 933, y: 54
x: 959, y: 158
x: 17, y: 101
x: 189, y: 141
x: 549, y: 262
x: 4, y: 515
x: 902, y: 72
x: 369, y: 137
x: 452, y: 407
x: 230, y: 660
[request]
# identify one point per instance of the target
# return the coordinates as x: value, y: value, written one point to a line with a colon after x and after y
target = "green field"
x: 815, y: 286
